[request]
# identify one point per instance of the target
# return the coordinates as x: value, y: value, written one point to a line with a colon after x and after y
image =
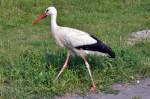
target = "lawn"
x: 30, y: 59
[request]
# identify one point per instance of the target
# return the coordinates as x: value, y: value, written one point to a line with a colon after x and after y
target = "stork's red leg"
x: 93, y: 88
x: 64, y: 66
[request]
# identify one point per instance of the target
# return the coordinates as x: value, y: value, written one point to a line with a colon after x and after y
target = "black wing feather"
x: 99, y: 46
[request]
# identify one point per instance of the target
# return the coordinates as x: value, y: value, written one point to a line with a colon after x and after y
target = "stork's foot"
x: 93, y: 88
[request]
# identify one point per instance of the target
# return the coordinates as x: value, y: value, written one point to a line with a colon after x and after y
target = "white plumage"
x: 78, y: 42
x: 71, y: 38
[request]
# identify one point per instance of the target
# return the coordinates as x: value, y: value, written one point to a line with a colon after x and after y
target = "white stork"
x: 76, y: 41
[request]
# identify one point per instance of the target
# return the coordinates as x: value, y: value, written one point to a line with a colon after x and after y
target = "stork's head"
x: 48, y: 12
x: 51, y: 11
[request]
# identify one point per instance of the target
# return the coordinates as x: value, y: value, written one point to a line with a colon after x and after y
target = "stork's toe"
x: 93, y: 88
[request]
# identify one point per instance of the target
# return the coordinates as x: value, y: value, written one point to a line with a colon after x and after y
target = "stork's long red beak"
x: 42, y: 16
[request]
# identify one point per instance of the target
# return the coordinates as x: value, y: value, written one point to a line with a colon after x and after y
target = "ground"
x: 137, y: 90
x: 138, y: 36
x: 30, y: 58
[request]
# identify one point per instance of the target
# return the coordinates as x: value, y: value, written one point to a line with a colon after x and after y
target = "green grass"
x: 30, y: 59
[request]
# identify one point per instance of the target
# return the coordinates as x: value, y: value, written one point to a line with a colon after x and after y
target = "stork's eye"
x: 47, y: 10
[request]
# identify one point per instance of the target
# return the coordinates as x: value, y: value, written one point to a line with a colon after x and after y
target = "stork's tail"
x: 110, y: 52
x: 104, y: 48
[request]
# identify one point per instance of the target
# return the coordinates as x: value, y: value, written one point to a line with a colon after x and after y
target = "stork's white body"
x: 71, y: 38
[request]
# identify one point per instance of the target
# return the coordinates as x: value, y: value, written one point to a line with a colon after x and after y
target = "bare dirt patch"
x: 138, y: 36
x: 138, y: 90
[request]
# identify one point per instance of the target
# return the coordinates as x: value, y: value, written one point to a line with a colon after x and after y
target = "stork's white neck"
x: 53, y: 21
